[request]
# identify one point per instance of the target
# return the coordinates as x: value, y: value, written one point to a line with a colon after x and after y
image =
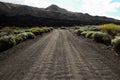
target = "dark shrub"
x: 24, y: 36
x: 116, y: 44
x: 102, y: 37
x: 19, y: 39
x: 7, y: 42
x: 79, y: 31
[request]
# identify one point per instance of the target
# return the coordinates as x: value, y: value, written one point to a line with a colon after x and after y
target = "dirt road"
x: 59, y: 55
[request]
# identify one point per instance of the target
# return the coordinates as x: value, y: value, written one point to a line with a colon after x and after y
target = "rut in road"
x: 59, y: 56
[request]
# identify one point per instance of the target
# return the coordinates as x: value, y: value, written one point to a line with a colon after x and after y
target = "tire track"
x: 69, y: 53
x: 46, y: 55
x: 62, y: 68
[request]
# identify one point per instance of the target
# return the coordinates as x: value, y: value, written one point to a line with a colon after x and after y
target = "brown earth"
x: 59, y: 55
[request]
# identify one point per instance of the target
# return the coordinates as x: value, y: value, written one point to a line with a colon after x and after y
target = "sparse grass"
x: 111, y: 29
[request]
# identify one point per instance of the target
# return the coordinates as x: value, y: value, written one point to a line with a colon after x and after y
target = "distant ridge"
x: 55, y: 8
x: 22, y: 15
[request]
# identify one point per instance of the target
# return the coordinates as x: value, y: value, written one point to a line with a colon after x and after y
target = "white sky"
x: 109, y: 8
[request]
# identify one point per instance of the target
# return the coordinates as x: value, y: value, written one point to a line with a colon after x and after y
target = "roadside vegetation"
x: 11, y: 36
x: 108, y: 34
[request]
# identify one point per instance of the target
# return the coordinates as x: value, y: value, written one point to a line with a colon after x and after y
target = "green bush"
x: 27, y: 30
x: 116, y: 44
x: 51, y: 28
x: 84, y: 33
x: 46, y: 29
x: 7, y: 42
x: 18, y: 31
x: 102, y: 37
x: 89, y: 34
x: 94, y: 29
x: 30, y: 35
x: 3, y: 34
x: 37, y: 31
x: 19, y: 39
x: 24, y: 36
x: 77, y: 27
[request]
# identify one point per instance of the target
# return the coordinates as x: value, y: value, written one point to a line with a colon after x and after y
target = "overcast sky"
x: 109, y: 8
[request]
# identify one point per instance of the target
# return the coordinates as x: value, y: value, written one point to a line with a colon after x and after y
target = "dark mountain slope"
x: 22, y: 15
